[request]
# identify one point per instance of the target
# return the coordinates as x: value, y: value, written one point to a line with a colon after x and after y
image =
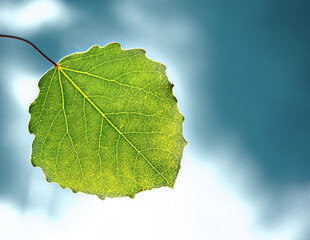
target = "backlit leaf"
x: 106, y: 123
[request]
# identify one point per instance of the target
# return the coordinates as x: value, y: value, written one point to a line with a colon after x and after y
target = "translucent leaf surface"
x: 106, y: 123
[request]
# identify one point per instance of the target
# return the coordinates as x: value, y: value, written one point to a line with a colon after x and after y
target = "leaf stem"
x: 31, y: 44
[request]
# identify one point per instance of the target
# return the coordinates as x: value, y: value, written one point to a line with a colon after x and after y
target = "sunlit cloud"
x: 173, y: 29
x: 202, y: 206
x: 30, y: 16
x: 23, y: 86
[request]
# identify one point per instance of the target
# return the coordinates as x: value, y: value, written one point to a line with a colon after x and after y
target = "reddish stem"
x: 31, y: 44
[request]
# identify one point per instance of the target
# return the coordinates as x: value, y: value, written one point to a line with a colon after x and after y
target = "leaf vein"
x: 48, y: 89
x: 67, y: 127
x: 92, y: 55
x: 113, y: 80
x: 108, y: 120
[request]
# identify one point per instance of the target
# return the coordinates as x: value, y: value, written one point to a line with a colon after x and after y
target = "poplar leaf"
x: 107, y: 123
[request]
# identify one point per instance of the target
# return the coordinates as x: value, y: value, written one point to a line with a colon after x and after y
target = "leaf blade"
x: 145, y: 149
x: 118, y: 131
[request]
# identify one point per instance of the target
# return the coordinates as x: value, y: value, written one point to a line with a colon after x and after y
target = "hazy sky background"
x: 241, y: 74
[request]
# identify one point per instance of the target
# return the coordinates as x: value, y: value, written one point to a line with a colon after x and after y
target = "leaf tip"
x: 142, y: 51
x: 101, y: 197
x: 176, y: 100
x: 33, y: 163
x: 48, y: 179
x: 113, y: 45
x: 132, y: 196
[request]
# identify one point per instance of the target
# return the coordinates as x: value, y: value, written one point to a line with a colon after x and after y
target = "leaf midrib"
x: 108, y: 120
x: 113, y: 80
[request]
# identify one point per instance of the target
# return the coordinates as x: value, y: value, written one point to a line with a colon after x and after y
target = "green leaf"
x: 106, y: 123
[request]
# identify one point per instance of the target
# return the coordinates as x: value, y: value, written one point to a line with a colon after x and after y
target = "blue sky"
x: 241, y: 78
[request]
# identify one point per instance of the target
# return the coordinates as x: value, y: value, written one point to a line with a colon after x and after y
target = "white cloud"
x: 30, y: 16
x: 146, y: 20
x: 24, y: 87
x: 202, y: 206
